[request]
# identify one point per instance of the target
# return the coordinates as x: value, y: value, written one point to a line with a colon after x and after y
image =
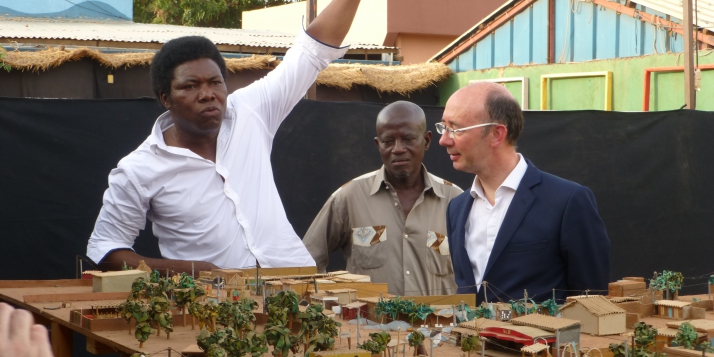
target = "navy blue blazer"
x: 552, y: 237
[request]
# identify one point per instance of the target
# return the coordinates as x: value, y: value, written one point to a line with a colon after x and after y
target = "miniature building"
x: 628, y: 288
x: 665, y: 335
x: 352, y: 278
x: 143, y: 267
x: 349, y: 311
x: 344, y: 296
x: 525, y: 335
x: 672, y: 309
x: 597, y: 315
x: 567, y: 329
x: 326, y: 301
x: 535, y: 350
x: 116, y: 281
x: 701, y: 325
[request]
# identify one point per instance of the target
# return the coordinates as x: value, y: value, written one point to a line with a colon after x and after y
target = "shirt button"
x: 406, y: 236
x: 407, y: 272
x: 396, y: 204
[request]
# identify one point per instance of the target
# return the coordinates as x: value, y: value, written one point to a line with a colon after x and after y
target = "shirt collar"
x: 512, y: 181
x: 165, y: 121
x: 380, y: 181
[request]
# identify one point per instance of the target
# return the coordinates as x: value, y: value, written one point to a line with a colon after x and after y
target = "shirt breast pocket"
x: 369, y: 246
x: 438, y: 259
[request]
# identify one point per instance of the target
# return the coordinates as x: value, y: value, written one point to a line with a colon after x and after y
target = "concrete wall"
x: 589, y: 93
x: 95, y: 9
x: 369, y: 26
x: 417, y: 48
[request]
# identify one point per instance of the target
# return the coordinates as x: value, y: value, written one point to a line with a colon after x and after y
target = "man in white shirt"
x: 203, y: 176
x: 518, y: 228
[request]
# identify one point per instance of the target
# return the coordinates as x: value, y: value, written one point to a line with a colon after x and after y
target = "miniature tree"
x: 278, y: 336
x: 485, y: 312
x: 139, y: 311
x: 190, y: 300
x: 687, y: 336
x: 317, y: 331
x: 220, y: 343
x: 252, y: 344
x: 237, y: 314
x: 519, y: 306
x: 551, y: 305
x: 618, y: 349
x: 469, y: 344
x: 643, y: 340
x: 371, y: 346
x: 420, y: 312
x: 415, y: 339
x: 160, y: 314
x: 138, y: 289
x: 285, y: 299
x: 377, y: 344
x: 670, y: 282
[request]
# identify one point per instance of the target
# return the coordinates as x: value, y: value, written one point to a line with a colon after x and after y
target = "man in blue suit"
x: 517, y: 228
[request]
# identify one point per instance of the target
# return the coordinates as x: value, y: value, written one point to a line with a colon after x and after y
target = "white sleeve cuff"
x: 317, y: 48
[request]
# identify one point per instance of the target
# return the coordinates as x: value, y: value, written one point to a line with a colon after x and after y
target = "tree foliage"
x: 201, y: 13
x: 667, y: 280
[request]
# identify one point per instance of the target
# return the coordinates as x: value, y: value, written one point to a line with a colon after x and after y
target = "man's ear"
x: 164, y: 98
x: 427, y: 139
x: 498, y: 135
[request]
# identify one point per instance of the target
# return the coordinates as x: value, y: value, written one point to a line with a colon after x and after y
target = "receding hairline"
x: 402, y: 109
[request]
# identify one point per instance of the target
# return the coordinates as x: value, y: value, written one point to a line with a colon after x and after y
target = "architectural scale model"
x: 296, y: 311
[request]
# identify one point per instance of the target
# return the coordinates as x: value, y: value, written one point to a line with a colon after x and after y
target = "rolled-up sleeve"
x: 122, y: 216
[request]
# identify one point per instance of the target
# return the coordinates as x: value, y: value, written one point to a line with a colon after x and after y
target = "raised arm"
x: 333, y: 23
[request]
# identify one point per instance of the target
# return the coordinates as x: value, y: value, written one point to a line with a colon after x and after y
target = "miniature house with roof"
x: 565, y: 330
x: 665, y: 336
x: 597, y: 315
x: 672, y: 309
x: 349, y: 311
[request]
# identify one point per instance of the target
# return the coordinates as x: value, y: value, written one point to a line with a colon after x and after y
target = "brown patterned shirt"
x: 365, y: 218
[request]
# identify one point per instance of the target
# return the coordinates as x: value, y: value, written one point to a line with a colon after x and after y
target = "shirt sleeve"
x: 122, y: 216
x: 585, y: 244
x: 273, y: 97
x: 328, y: 231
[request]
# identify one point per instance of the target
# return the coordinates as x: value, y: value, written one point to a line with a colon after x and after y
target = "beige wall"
x: 369, y: 26
x: 417, y: 48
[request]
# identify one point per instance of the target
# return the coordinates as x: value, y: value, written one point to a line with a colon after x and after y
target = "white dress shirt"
x: 485, y: 219
x: 195, y: 214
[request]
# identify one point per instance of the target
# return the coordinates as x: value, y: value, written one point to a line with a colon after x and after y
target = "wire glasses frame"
x: 441, y: 128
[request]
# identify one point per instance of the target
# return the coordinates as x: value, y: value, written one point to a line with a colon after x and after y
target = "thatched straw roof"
x: 397, y: 79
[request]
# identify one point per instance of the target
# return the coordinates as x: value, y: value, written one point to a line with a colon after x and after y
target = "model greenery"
x: 415, y: 339
x: 667, y: 281
x: 519, y: 306
x: 471, y: 343
x: 551, y: 306
x: 644, y: 339
x: 397, y: 306
x: 377, y: 344
x: 687, y: 336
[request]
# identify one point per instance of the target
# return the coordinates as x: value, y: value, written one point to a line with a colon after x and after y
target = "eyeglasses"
x: 441, y: 128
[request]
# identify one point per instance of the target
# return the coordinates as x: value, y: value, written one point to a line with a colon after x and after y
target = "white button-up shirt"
x: 197, y: 215
x: 485, y: 219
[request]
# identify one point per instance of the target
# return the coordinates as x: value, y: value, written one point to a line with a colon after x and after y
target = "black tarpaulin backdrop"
x: 650, y: 173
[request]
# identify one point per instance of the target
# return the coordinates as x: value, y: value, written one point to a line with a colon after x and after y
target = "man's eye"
x: 387, y: 142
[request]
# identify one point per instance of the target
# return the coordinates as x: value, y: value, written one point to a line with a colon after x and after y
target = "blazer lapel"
x: 521, y: 203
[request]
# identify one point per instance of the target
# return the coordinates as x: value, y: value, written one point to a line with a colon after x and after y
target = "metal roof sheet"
x: 125, y: 31
x: 674, y: 8
x: 700, y: 325
x: 481, y: 323
x: 545, y: 322
x: 672, y: 303
x: 598, y: 305
x: 671, y: 332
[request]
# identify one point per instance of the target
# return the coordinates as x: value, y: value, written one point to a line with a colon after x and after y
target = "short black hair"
x: 505, y: 110
x: 179, y: 51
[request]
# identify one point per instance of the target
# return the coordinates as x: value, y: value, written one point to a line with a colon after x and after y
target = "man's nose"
x: 446, y: 140
x: 398, y: 147
x: 206, y: 93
